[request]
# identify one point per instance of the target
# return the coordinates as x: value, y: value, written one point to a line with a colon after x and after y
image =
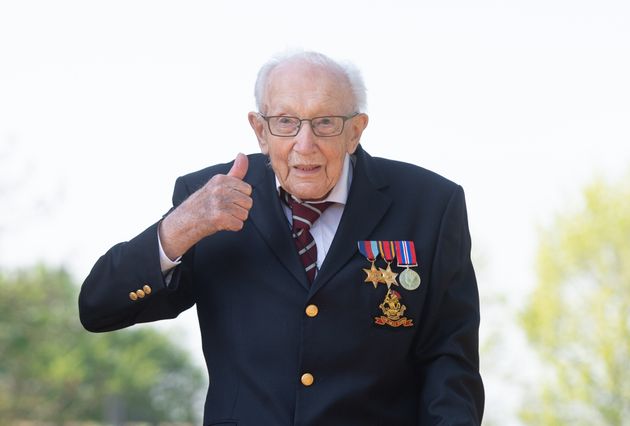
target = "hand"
x: 222, y: 204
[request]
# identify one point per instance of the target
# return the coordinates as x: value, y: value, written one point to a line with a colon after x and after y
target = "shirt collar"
x: 339, y: 193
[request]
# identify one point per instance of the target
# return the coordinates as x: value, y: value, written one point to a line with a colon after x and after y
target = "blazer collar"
x: 268, y: 217
x: 366, y: 206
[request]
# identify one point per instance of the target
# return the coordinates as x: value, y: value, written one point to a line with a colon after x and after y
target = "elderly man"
x: 332, y: 288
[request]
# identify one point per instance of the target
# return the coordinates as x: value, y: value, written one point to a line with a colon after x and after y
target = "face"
x: 306, y: 165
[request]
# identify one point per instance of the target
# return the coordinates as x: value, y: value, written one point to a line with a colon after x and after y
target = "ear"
x: 357, y: 126
x: 258, y: 124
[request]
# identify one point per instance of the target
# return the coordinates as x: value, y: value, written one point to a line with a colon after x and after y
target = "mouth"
x: 307, y: 168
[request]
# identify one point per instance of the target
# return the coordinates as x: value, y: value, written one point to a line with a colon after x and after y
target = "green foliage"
x: 578, y: 317
x: 53, y: 370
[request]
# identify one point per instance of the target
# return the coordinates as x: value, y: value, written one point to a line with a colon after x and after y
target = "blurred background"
x: 526, y: 104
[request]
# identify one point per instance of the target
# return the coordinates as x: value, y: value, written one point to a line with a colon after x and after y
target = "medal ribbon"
x: 386, y: 248
x: 406, y: 253
x: 369, y: 249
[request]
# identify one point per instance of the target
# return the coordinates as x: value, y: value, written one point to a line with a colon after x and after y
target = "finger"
x: 233, y: 224
x: 240, y: 166
x: 240, y: 213
x: 243, y: 200
x: 220, y: 184
x: 242, y: 187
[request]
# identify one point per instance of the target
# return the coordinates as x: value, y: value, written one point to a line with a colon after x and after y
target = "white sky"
x: 104, y: 104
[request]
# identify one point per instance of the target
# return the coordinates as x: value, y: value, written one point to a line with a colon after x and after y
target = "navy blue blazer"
x: 251, y: 294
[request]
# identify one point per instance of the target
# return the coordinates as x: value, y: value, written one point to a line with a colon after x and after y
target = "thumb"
x: 239, y: 168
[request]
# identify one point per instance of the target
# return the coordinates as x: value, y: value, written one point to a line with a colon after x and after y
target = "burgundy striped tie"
x: 304, y: 215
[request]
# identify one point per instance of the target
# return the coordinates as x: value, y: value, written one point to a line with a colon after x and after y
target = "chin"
x: 303, y: 192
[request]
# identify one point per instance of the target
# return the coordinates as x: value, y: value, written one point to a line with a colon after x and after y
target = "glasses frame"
x: 310, y: 121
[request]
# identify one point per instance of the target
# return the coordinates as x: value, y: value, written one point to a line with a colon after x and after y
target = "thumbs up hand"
x: 222, y: 204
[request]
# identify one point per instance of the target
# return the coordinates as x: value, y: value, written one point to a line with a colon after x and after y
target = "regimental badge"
x: 369, y: 249
x: 406, y: 255
x: 386, y: 249
x: 393, y: 311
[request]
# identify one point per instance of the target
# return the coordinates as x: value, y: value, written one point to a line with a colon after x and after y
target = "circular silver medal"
x: 409, y: 279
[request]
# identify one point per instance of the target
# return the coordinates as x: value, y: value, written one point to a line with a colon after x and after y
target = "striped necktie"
x: 304, y: 215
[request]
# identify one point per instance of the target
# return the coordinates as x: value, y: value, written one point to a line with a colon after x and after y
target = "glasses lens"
x: 284, y: 126
x: 327, y: 126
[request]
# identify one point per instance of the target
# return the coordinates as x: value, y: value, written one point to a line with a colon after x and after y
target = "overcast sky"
x: 104, y: 104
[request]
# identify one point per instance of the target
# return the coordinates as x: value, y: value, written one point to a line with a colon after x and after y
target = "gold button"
x: 312, y: 311
x: 133, y: 296
x: 140, y: 293
x: 307, y: 379
x: 147, y: 289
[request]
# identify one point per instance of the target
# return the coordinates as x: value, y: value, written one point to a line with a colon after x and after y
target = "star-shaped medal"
x: 389, y: 276
x: 374, y: 276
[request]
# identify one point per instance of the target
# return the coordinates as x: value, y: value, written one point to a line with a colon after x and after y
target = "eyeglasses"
x: 285, y: 126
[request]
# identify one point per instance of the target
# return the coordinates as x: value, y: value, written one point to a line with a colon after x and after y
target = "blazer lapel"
x: 270, y: 221
x: 364, y: 209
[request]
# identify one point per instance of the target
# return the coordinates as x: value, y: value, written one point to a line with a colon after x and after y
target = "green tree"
x: 578, y: 317
x: 53, y: 370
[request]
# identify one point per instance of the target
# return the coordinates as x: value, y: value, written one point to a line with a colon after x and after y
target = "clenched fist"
x: 222, y: 204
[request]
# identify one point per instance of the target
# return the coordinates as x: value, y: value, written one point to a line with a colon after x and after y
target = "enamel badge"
x: 393, y: 311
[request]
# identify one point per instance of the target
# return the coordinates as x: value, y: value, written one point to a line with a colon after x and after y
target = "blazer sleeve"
x: 448, y: 349
x: 104, y: 300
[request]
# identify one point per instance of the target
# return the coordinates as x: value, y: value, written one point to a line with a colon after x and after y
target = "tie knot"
x: 305, y: 213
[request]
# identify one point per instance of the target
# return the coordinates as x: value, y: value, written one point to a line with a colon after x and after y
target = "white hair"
x: 347, y: 69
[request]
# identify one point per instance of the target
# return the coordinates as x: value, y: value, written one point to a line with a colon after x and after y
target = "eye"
x: 284, y: 120
x: 325, y: 121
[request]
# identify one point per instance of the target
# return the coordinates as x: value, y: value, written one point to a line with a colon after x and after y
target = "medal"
x: 386, y: 249
x: 406, y: 255
x: 369, y: 249
x: 409, y: 279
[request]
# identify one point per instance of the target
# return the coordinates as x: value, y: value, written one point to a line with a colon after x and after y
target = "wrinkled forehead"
x: 305, y: 86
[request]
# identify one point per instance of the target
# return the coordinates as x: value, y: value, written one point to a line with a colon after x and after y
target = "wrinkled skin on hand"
x: 222, y: 204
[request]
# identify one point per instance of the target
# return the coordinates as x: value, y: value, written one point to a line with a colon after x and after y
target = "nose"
x: 305, y: 139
